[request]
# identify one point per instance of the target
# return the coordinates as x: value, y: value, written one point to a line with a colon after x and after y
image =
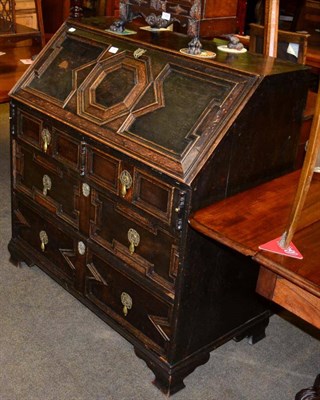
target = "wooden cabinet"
x: 115, y: 141
x: 216, y: 17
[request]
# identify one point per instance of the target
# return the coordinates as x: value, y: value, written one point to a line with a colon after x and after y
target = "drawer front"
x: 50, y: 140
x: 154, y: 196
x: 30, y: 128
x: 134, y: 239
x: 67, y: 150
x: 141, y: 313
x: 141, y: 188
x: 103, y: 169
x: 46, y: 183
x: 56, y: 250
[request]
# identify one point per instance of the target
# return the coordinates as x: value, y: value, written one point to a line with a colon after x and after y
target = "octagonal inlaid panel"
x: 113, y: 87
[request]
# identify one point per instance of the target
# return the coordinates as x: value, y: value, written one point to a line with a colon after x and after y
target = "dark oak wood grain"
x: 111, y: 152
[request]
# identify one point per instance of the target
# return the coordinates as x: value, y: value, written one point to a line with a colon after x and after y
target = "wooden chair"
x: 293, y: 8
x: 20, y: 42
x: 38, y: 5
x: 284, y: 38
x: 18, y: 32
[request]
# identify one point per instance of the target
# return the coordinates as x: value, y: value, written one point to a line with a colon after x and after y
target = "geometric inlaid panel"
x: 188, y: 97
x: 55, y: 78
x: 113, y: 87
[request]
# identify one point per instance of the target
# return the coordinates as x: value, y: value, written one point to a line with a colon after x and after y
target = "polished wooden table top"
x: 259, y: 215
x: 256, y: 216
x: 11, y: 68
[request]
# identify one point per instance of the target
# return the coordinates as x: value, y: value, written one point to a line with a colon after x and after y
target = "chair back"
x: 284, y: 39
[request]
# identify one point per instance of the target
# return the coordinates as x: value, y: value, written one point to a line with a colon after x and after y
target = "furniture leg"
x: 312, y: 393
x: 169, y: 379
x: 254, y: 333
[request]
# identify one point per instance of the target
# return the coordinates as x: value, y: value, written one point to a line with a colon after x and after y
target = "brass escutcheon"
x: 126, y: 182
x: 85, y: 189
x: 47, y: 184
x: 134, y: 239
x: 44, y: 239
x: 126, y: 301
x: 46, y: 138
x: 81, y: 248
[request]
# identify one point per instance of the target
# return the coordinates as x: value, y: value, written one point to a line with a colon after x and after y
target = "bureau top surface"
x: 139, y: 93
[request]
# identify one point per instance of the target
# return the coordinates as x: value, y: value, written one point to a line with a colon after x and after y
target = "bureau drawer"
x: 143, y: 189
x: 140, y: 312
x: 54, y: 249
x: 50, y: 140
x: 46, y: 183
x: 154, y: 196
x: 141, y: 244
x: 103, y: 168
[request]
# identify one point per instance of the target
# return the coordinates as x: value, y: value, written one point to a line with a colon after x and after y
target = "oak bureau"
x: 116, y: 140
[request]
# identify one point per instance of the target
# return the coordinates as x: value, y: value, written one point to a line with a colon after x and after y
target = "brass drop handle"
x: 125, y: 182
x: 47, y: 184
x: 123, y: 190
x: 44, y: 239
x: 46, y: 139
x: 134, y: 240
x: 126, y: 301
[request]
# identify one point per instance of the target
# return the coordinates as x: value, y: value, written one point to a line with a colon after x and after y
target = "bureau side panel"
x: 262, y: 143
x: 217, y: 297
